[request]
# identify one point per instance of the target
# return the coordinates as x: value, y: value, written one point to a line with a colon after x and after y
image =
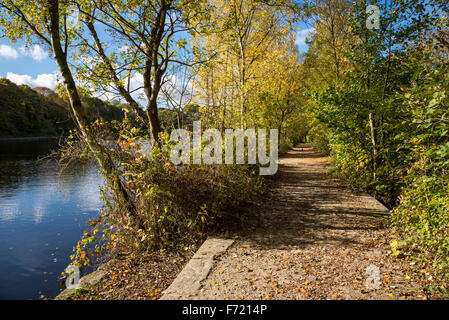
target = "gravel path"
x: 316, y: 240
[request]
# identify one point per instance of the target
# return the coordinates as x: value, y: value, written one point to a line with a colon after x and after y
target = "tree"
x: 178, y: 93
x: 141, y: 39
x: 46, y: 22
x: 332, y: 34
x: 243, y: 32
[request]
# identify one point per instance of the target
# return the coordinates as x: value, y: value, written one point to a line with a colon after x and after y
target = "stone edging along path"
x: 316, y: 240
x: 188, y: 282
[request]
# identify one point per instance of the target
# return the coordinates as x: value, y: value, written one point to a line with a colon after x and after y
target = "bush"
x: 170, y: 204
x: 285, y: 146
x: 174, y: 201
x: 319, y: 138
x: 422, y: 222
x: 422, y: 217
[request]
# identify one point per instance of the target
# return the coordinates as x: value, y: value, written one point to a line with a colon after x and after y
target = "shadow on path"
x: 316, y: 240
x: 307, y: 206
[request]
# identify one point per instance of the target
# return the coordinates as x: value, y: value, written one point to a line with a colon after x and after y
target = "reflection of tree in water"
x: 19, y: 161
x: 27, y: 160
x: 26, y: 149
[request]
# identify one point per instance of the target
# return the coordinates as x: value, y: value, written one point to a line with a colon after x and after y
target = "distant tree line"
x: 27, y: 112
x: 40, y: 111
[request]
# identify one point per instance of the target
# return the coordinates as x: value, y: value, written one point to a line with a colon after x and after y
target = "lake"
x: 42, y: 216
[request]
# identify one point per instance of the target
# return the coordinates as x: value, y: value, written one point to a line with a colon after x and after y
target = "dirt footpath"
x: 317, y: 240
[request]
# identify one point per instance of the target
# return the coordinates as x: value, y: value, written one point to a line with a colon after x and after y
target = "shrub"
x: 169, y: 204
x: 422, y: 222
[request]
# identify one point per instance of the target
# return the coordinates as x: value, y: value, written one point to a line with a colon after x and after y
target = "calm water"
x: 42, y: 216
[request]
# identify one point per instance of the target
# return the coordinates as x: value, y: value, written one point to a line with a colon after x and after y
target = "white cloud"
x: 301, y: 36
x: 136, y: 82
x: 90, y: 61
x: 35, y: 52
x: 9, y: 212
x: 8, y: 52
x: 135, y: 86
x: 123, y: 49
x: 48, y: 80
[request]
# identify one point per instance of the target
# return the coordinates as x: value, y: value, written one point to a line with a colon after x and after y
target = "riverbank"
x: 135, y: 277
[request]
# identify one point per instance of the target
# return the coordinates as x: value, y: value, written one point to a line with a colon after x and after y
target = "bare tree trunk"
x: 103, y: 158
x: 154, y: 71
x: 155, y: 125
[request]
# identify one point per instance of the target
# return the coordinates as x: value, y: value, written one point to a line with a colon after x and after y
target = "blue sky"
x: 301, y: 37
x: 34, y: 67
x: 31, y: 66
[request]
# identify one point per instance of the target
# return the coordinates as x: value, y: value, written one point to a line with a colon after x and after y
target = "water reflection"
x: 42, y: 216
